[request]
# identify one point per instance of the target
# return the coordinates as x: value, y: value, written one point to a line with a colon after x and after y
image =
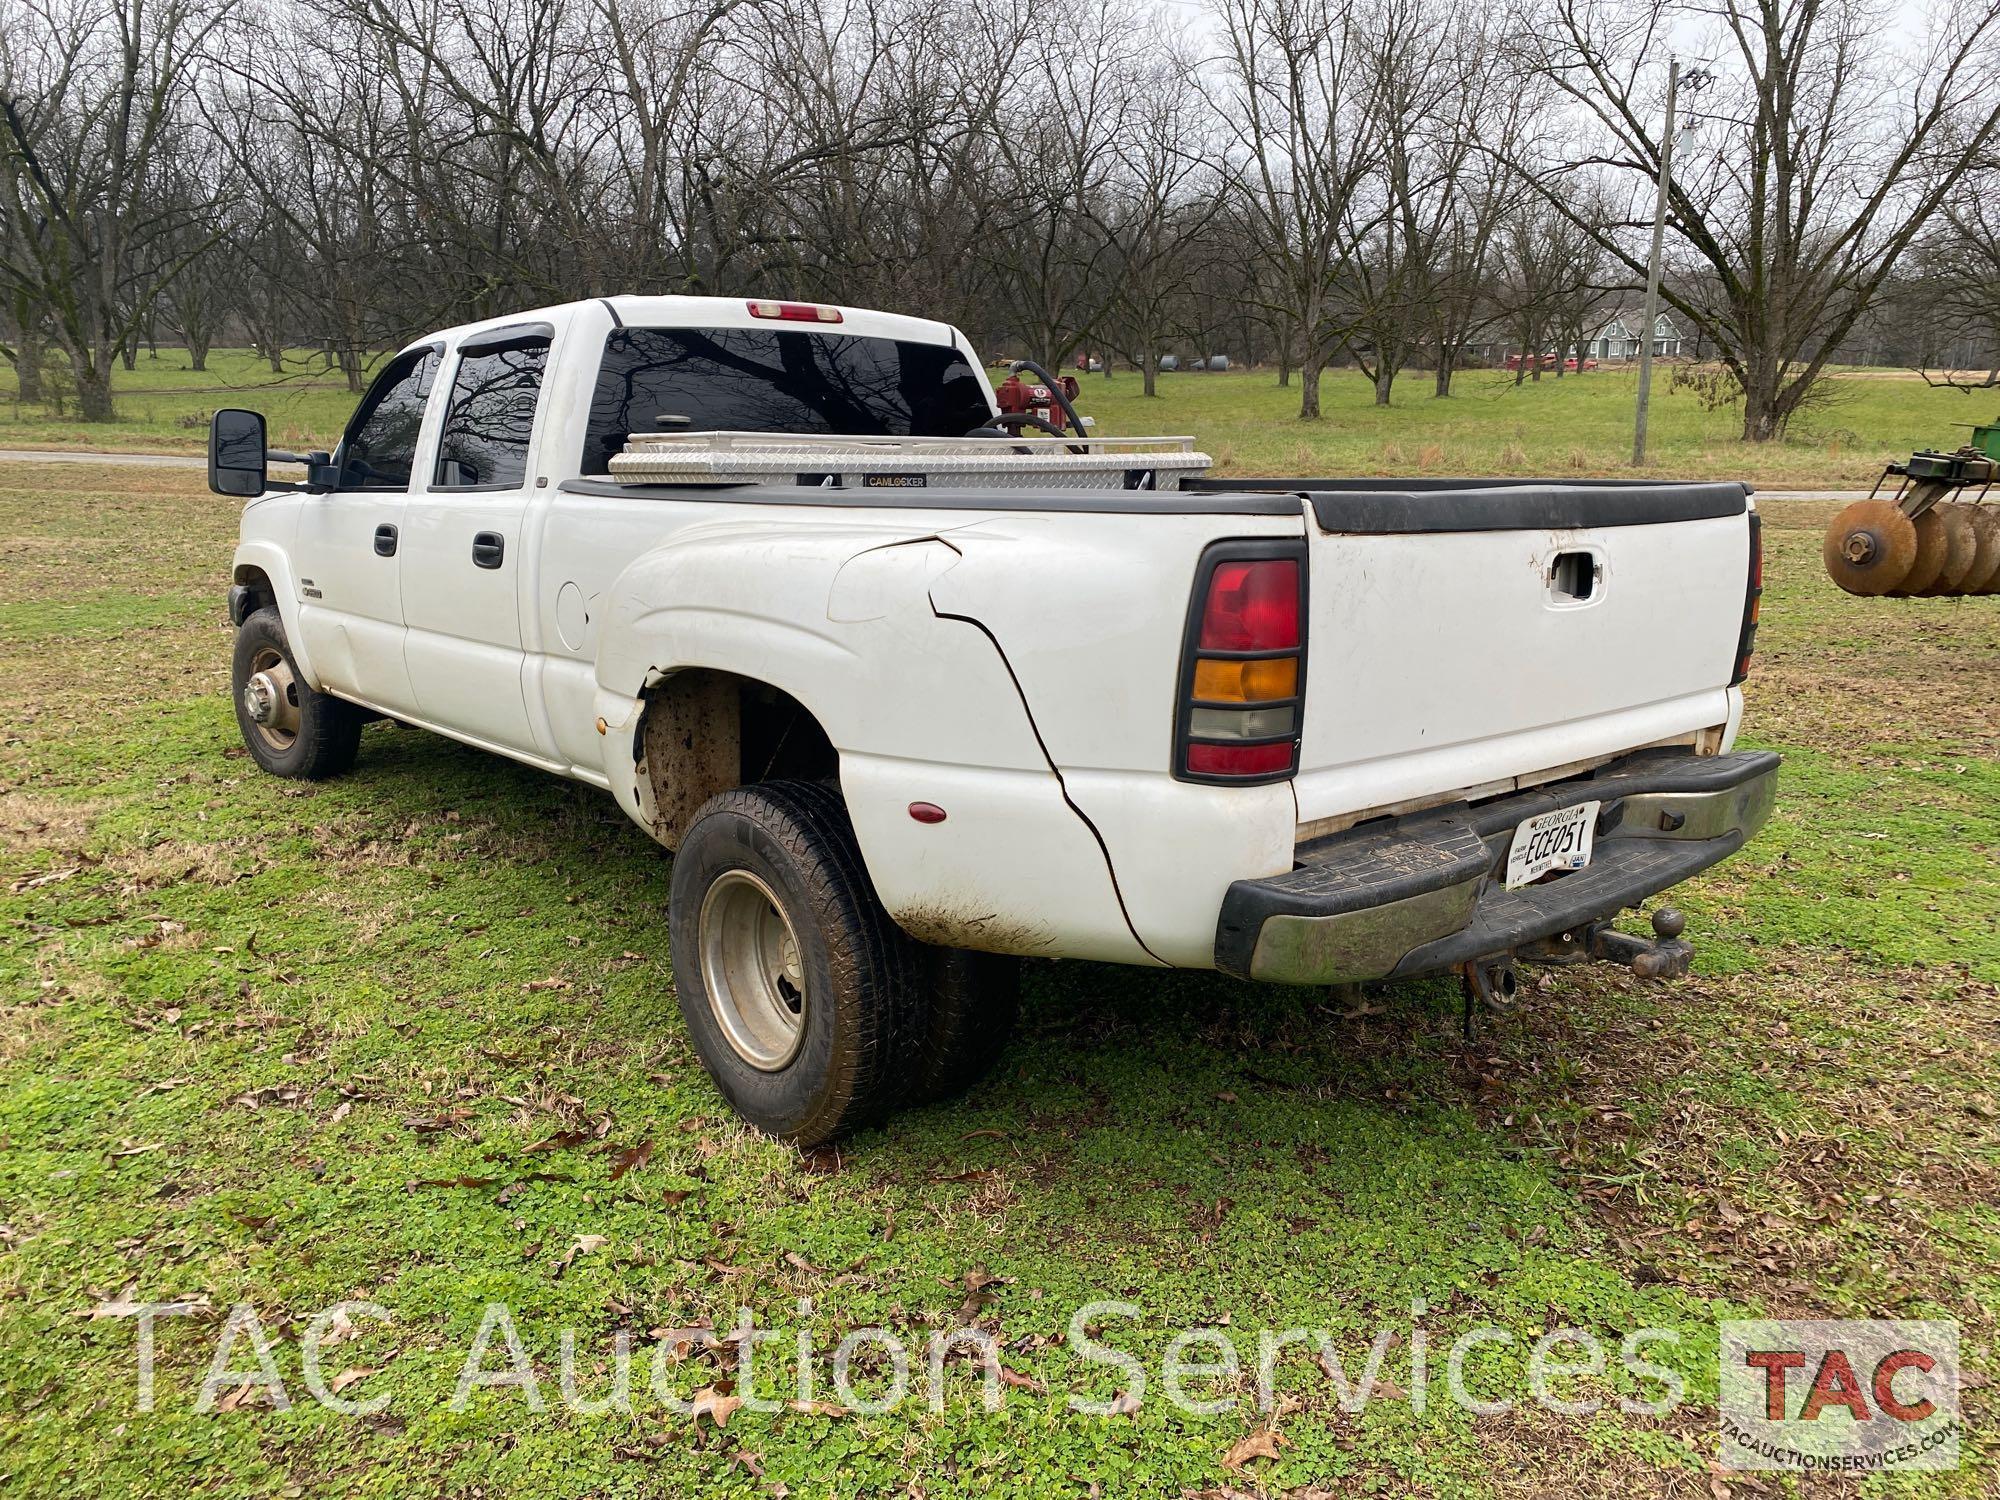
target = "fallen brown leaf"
x: 585, y: 1244
x: 817, y: 1409
x: 435, y: 1124
x: 632, y: 1159
x: 562, y: 1140
x: 715, y: 1403
x: 1260, y: 1444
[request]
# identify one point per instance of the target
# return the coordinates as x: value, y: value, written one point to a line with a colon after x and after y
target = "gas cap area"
x: 572, y: 616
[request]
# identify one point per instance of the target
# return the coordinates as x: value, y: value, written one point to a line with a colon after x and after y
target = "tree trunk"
x: 128, y: 356
x: 1443, y: 377
x: 19, y: 323
x: 28, y: 365
x: 1149, y: 380
x: 1309, y: 389
x: 1385, y: 377
x: 1762, y: 421
x: 198, y: 352
x: 93, y: 388
x: 1764, y: 409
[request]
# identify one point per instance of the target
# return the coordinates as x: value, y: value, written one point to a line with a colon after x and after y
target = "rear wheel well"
x: 706, y: 731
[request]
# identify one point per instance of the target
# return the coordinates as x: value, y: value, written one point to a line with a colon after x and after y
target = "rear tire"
x: 290, y: 729
x: 799, y: 992
x: 974, y: 999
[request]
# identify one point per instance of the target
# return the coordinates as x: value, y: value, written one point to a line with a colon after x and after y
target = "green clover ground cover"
x: 409, y: 1037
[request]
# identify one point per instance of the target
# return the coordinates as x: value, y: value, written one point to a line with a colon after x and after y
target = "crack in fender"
x: 1054, y: 770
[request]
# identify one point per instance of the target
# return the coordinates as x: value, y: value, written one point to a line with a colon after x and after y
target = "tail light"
x: 1243, y: 665
x: 1753, y: 596
x: 795, y: 312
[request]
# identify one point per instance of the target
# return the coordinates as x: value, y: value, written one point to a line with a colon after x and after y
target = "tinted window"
x: 381, y: 443
x: 772, y: 380
x: 485, y: 436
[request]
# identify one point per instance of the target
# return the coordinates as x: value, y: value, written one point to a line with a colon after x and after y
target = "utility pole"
x: 1653, y: 268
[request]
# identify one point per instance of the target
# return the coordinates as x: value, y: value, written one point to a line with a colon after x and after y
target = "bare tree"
x: 93, y: 103
x: 1431, y: 71
x: 1956, y: 286
x: 1832, y: 133
x: 1299, y: 111
x: 1167, y: 198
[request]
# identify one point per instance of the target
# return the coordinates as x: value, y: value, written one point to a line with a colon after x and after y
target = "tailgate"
x: 1461, y: 637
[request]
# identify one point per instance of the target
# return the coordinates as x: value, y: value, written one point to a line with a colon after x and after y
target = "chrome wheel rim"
x: 271, y: 699
x: 753, y: 970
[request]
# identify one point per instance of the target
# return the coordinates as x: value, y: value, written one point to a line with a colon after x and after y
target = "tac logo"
x: 1839, y: 1396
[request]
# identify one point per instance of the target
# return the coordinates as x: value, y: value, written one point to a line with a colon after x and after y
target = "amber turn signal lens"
x: 1246, y: 681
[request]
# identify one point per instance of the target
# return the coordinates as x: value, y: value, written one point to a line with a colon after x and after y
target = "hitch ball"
x: 1667, y: 956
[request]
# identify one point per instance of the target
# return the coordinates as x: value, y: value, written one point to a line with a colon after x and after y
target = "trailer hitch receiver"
x: 1666, y: 957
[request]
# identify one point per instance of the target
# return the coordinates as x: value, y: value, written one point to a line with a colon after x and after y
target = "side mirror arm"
x: 321, y: 476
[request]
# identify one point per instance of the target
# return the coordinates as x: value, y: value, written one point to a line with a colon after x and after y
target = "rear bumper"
x: 1420, y: 894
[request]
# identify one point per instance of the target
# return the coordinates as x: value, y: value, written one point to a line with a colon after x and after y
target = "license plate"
x: 1558, y: 840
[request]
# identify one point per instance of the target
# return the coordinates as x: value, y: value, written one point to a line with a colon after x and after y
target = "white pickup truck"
x: 906, y: 681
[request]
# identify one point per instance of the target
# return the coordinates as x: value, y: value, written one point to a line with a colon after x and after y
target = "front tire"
x: 290, y: 729
x: 799, y: 992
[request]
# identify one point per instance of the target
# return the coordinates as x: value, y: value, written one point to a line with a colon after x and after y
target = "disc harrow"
x: 1933, y: 538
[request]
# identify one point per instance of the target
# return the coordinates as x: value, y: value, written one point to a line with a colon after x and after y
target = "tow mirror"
x: 236, y: 457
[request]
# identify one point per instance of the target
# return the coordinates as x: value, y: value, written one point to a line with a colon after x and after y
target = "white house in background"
x: 1618, y: 338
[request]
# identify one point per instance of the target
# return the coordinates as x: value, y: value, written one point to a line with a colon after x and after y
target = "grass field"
x: 401, y: 1036
x: 1576, y: 426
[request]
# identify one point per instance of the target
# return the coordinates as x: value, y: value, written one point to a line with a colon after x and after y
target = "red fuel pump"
x: 1013, y: 396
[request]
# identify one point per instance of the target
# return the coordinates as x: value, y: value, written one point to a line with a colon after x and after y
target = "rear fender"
x: 919, y: 706
x: 838, y: 618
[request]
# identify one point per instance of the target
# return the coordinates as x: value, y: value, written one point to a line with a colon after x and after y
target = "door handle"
x: 385, y: 540
x: 488, y: 547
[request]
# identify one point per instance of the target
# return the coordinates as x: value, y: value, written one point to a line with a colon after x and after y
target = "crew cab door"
x: 462, y: 558
x: 350, y: 606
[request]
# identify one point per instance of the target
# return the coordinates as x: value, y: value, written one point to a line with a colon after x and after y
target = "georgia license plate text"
x: 1558, y: 840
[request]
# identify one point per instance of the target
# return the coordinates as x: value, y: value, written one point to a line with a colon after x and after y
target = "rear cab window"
x: 777, y: 380
x: 483, y: 444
